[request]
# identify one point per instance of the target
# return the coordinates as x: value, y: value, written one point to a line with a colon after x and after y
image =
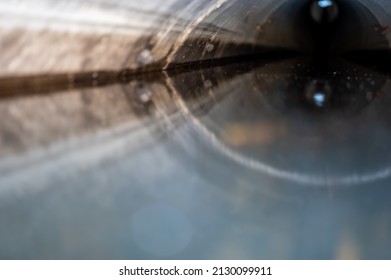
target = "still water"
x: 258, y: 160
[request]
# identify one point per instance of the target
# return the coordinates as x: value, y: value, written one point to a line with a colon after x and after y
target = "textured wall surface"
x: 100, y: 161
x: 53, y: 36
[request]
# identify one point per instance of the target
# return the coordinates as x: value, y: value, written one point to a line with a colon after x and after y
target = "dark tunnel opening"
x: 320, y: 28
x: 348, y: 29
x: 328, y: 28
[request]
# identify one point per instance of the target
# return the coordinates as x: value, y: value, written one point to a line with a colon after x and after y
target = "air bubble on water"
x: 145, y: 57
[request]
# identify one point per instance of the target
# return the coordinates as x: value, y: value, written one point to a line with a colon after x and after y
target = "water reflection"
x: 299, y: 123
x: 234, y: 161
x: 318, y: 93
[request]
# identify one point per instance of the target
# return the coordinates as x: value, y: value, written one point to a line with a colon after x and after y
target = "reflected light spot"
x: 319, y: 99
x: 325, y: 3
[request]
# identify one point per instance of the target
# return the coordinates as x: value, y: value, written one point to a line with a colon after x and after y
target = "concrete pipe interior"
x: 96, y: 35
x: 206, y: 129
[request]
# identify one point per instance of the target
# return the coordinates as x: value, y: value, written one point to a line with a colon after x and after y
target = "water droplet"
x: 209, y: 47
x: 144, y: 94
x: 145, y: 57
